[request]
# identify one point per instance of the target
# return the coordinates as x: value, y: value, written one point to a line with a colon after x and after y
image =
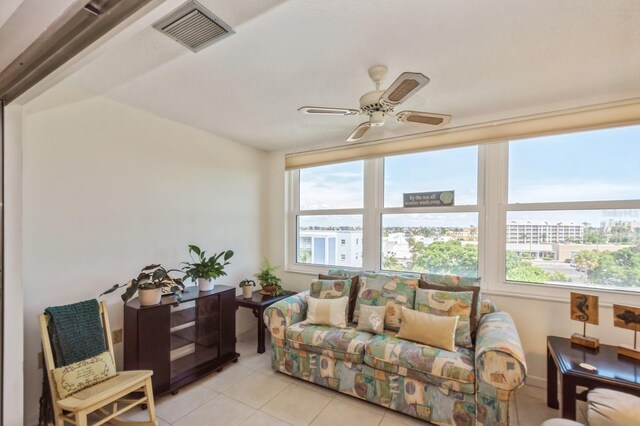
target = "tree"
x: 616, y: 268
x: 445, y: 257
x: 390, y: 263
x: 587, y: 260
x: 519, y: 270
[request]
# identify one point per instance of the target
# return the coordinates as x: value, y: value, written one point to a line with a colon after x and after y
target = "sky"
x: 583, y: 166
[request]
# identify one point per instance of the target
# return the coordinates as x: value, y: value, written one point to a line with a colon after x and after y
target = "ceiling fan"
x: 378, y: 104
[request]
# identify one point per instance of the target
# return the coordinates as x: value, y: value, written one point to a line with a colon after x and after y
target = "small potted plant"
x: 268, y: 281
x: 247, y: 288
x: 203, y: 270
x: 149, y: 285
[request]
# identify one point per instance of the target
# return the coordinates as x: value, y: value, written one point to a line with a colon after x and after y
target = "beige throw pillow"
x: 74, y: 377
x: 331, y: 312
x: 428, y: 329
x: 371, y: 318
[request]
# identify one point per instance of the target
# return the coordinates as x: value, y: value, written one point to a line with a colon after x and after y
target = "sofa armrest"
x: 500, y: 361
x: 285, y: 312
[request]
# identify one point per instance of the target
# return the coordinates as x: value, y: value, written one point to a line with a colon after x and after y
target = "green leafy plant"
x: 247, y: 283
x: 267, y: 278
x: 151, y: 277
x: 201, y: 267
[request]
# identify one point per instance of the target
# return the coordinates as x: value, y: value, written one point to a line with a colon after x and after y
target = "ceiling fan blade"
x: 419, y: 117
x: 359, y: 132
x: 403, y: 88
x: 328, y: 111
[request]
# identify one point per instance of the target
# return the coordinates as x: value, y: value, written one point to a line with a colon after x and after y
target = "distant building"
x: 329, y: 247
x: 569, y: 251
x: 527, y: 231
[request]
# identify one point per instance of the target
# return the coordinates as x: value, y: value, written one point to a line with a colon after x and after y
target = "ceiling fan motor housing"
x: 370, y: 105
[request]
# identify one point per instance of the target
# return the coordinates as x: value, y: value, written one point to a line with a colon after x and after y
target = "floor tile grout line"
x: 201, y: 405
x: 322, y: 409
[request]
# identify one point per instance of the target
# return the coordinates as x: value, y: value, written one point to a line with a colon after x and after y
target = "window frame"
x: 372, y: 211
x: 492, y: 208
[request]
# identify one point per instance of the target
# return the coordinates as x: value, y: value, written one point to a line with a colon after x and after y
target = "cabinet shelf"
x: 181, y: 340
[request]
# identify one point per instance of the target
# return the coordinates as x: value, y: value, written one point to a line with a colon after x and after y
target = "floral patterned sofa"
x: 472, y: 386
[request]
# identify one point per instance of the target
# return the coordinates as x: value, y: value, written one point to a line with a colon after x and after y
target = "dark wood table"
x: 258, y: 303
x: 613, y: 372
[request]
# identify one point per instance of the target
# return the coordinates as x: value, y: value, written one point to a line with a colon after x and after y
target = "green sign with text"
x: 429, y: 199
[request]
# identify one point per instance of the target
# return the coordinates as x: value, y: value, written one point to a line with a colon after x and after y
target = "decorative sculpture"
x: 584, y: 308
x: 628, y: 317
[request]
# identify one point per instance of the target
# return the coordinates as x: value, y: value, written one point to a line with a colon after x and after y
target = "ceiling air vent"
x: 193, y: 26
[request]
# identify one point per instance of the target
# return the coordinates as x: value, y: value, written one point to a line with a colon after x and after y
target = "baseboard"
x: 536, y: 381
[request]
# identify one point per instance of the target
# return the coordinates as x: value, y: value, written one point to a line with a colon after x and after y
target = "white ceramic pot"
x: 247, y: 291
x: 205, y: 284
x: 149, y: 297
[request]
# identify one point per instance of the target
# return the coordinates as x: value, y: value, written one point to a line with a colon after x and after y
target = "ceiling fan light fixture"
x: 377, y: 119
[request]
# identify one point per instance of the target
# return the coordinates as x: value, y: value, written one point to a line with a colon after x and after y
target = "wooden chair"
x: 107, y: 399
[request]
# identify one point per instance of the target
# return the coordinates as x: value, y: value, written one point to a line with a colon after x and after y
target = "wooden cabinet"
x: 181, y: 341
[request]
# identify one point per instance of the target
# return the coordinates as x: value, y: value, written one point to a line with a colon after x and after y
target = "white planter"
x: 205, y: 284
x: 149, y: 297
x: 247, y: 291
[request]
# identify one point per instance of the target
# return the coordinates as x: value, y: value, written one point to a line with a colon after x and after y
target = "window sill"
x: 560, y: 293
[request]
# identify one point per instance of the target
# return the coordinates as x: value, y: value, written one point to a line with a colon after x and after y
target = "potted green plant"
x: 149, y: 285
x: 247, y: 288
x: 203, y: 270
x: 269, y: 282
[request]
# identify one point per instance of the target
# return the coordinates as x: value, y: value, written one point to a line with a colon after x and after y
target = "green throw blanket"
x: 76, y: 333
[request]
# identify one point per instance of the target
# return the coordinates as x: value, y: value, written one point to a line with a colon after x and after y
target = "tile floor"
x: 250, y: 393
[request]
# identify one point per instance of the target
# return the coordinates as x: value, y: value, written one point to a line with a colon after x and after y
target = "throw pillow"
x: 428, y: 329
x: 391, y: 291
x: 456, y: 281
x: 353, y: 290
x: 80, y: 375
x: 371, y: 318
x: 474, y: 303
x: 331, y: 312
x: 330, y: 289
x: 450, y: 304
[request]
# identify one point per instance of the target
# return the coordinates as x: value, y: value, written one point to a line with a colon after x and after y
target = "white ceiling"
x: 487, y: 59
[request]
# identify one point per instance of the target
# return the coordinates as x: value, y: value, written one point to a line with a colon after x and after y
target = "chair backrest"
x: 49, y: 362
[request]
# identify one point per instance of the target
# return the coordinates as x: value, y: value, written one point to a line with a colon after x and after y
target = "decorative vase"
x: 205, y: 284
x: 149, y: 297
x: 247, y: 292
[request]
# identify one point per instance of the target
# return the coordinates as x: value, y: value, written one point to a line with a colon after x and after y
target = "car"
x: 568, y: 260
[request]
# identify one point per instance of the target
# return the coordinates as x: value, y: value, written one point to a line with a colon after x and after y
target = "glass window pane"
x: 453, y: 169
x: 586, y: 166
x: 575, y: 247
x: 444, y: 243
x: 330, y: 240
x: 335, y: 186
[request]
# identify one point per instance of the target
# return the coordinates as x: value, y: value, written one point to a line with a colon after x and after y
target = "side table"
x: 258, y: 303
x: 613, y: 372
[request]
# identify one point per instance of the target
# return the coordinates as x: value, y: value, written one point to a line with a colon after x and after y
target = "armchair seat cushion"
x: 451, y: 370
x: 339, y: 343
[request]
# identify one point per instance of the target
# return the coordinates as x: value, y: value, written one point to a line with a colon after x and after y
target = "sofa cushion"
x: 392, y: 291
x: 331, y: 288
x: 449, y: 304
x: 452, y: 370
x: 340, y: 343
x: 353, y: 288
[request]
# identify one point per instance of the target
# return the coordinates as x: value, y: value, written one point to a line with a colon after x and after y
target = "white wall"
x: 535, y: 319
x: 109, y: 189
x: 13, y: 327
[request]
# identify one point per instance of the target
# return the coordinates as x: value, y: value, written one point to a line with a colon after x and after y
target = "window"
x: 444, y: 243
x: 552, y: 213
x: 326, y: 218
x: 574, y: 218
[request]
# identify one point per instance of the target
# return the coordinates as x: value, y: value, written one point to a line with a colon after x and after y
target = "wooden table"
x: 258, y: 303
x: 613, y: 372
